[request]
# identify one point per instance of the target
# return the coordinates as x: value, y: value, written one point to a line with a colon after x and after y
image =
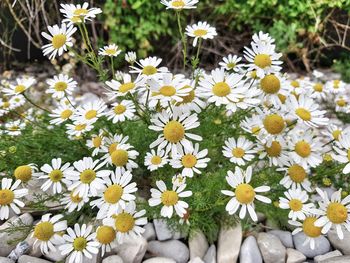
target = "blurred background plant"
x: 312, y: 33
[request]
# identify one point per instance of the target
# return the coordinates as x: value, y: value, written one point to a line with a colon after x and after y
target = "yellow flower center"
x: 79, y: 243
x: 60, y: 86
x: 174, y: 131
x: 270, y: 84
x: 295, y: 84
x: 44, y: 231
x: 90, y: 114
x: 238, y: 152
x: 337, y: 213
x: 80, y: 12
x: 66, y: 114
x: 274, y: 150
x: 349, y: 154
x: 6, y: 197
x: 119, y: 109
x: 341, y: 103
x: 97, y: 141
x: 296, y: 173
x: 253, y: 74
x: 124, y: 88
x: 255, y: 130
x: 231, y: 65
x: 309, y: 227
x: 80, y: 127
x: 6, y: 104
x: 318, y: 87
x: 105, y: 234
x: 149, y: 70
x: 336, y: 134
x: 189, y: 98
x: 169, y: 198
x: 178, y: 4
x: 274, y: 124
x: 167, y: 91
x: 303, y: 149
x: 112, y: 148
x: 200, y: 32
x: 58, y: 41
x: 245, y: 193
x: 303, y: 113
x: 295, y: 205
x: 87, y: 176
x: 262, y: 60
x: 156, y: 160
x: 23, y: 173
x: 221, y: 89
x: 120, y: 157
x: 20, y: 88
x: 124, y: 222
x: 110, y: 51
x: 113, y: 193
x: 336, y: 83
x: 56, y: 175
x: 75, y: 198
x: 189, y: 160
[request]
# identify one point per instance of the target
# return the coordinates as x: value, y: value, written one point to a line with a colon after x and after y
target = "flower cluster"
x: 284, y: 127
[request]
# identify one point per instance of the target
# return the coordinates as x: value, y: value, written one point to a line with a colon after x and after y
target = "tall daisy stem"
x: 183, y: 38
x: 34, y: 104
x: 112, y: 66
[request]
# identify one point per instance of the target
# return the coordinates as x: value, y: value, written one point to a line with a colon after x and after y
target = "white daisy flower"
x: 55, y: 175
x: 22, y: 84
x: 16, y: 101
x: 248, y: 99
x: 124, y: 87
x: 308, y: 227
x: 60, y: 38
x: 174, y: 129
x: 87, y: 178
x: 47, y: 232
x: 149, y: 67
x: 106, y: 236
x: 318, y: 90
x: 168, y: 88
x: 130, y: 57
x: 191, y: 102
x: 190, y: 161
x: 275, y: 151
x: 14, y: 128
x: 262, y: 59
x: 336, y: 86
x: 274, y: 89
x: 295, y: 177
x: 9, y: 197
x: 239, y: 151
x: 77, y: 129
x: 60, y: 86
x: 305, y: 149
x: 25, y: 173
x: 178, y: 180
x: 201, y: 30
x: 334, y: 132
x: 262, y: 38
x: 342, y: 103
x: 111, y: 50
x: 170, y: 199
x: 296, y: 201
x: 179, y: 4
x: 61, y: 114
x: 96, y: 142
x: 244, y: 194
x: 342, y: 151
x: 78, y: 13
x: 73, y: 202
x: 127, y: 222
x: 155, y: 160
x: 122, y: 156
x: 90, y: 111
x: 118, y: 192
x: 121, y: 111
x: 111, y: 143
x: 79, y: 244
x: 333, y: 211
x: 306, y: 111
x: 231, y: 62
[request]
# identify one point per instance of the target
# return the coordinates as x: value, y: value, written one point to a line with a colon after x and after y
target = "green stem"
x: 183, y: 39
x: 34, y: 104
x: 112, y: 66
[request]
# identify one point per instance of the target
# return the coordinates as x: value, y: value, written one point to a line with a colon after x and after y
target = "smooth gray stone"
x: 332, y: 254
x: 210, y: 256
x: 294, y: 256
x: 174, y: 249
x: 150, y: 233
x: 322, y: 245
x: 343, y: 245
x: 5, y: 247
x: 132, y: 250
x: 113, y: 259
x: 159, y: 260
x: 285, y: 237
x: 6, y: 260
x: 33, y: 251
x: 341, y: 259
x: 196, y: 260
x: 29, y: 259
x: 21, y: 249
x: 271, y: 248
x: 229, y: 244
x: 162, y: 230
x: 54, y: 256
x: 250, y: 252
x: 198, y: 245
